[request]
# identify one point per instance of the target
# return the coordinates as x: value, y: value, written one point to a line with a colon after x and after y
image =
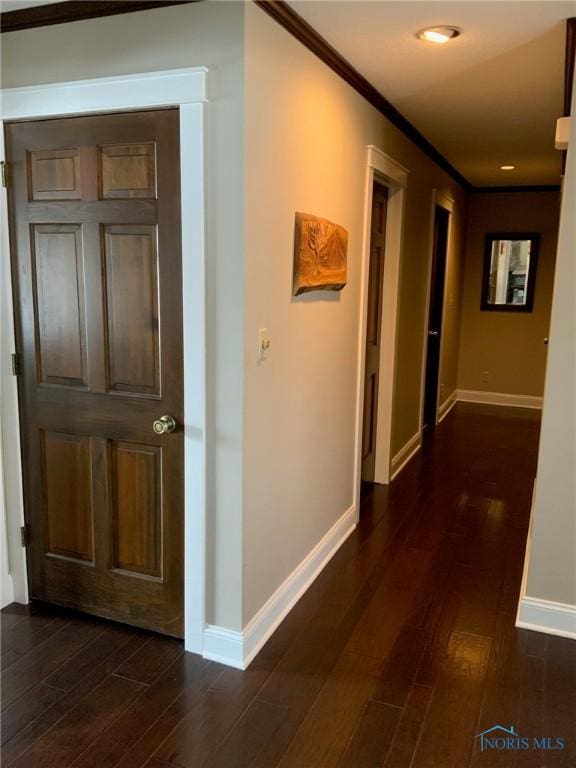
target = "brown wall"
x: 509, y: 346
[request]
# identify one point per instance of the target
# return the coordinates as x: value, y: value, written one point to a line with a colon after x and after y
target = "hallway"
x: 398, y: 655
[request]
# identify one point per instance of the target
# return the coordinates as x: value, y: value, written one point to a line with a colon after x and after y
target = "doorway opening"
x: 435, y: 314
x: 185, y: 90
x: 373, y: 330
x: 385, y: 201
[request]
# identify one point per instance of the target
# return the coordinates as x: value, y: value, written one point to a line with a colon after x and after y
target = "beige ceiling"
x: 488, y: 98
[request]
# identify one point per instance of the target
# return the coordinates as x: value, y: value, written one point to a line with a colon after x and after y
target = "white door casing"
x: 387, y: 171
x: 185, y: 89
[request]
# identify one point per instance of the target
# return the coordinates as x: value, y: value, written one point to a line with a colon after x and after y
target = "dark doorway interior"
x: 441, y: 221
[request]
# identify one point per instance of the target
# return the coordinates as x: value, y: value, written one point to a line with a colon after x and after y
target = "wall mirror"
x: 509, y: 271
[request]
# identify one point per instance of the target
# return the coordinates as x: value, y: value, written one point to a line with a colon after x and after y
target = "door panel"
x: 373, y: 329
x: 58, y: 266
x: 67, y: 497
x: 132, y: 302
x: 137, y: 508
x: 55, y: 174
x: 128, y: 171
x: 95, y: 222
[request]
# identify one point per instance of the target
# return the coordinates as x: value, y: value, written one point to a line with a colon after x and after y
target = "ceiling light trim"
x: 439, y: 35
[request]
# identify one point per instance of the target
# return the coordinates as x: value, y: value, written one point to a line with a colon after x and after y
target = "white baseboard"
x: 447, y: 406
x: 224, y: 645
x: 404, y: 455
x: 6, y: 589
x: 237, y: 649
x: 543, y: 615
x: 498, y: 398
x: 547, y: 616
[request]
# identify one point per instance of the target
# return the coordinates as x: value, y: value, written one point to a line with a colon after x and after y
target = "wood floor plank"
x: 152, y: 659
x: 37, y: 726
x: 436, y: 613
x: 372, y: 738
x: 12, y: 615
x: 559, y: 698
x: 71, y: 735
x: 397, y: 677
x: 101, y: 648
x: 409, y: 728
x: 391, y: 605
x: 531, y: 711
x: 188, y: 676
x: 449, y: 730
x: 39, y: 663
x: 187, y: 701
x: 297, y: 680
x: 439, y: 507
x: 248, y: 740
x: 27, y: 708
x: 27, y: 635
x: 500, y: 702
x: 301, y: 674
x: 200, y: 734
x: 324, y: 733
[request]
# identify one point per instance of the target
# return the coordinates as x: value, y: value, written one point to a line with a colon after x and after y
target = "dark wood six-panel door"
x: 436, y: 309
x: 95, y: 232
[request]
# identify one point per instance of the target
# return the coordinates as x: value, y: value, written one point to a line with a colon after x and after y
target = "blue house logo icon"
x: 499, y: 737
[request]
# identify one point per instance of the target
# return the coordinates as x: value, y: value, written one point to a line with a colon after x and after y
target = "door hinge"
x: 25, y: 535
x: 4, y: 174
x: 16, y: 367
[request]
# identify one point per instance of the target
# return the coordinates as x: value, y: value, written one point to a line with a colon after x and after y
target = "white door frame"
x: 444, y: 201
x: 384, y: 169
x: 185, y: 89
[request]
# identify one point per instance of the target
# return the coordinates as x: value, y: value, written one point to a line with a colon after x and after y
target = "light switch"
x: 264, y: 344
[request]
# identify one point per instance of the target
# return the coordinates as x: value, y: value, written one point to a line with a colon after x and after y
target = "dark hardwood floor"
x: 399, y: 654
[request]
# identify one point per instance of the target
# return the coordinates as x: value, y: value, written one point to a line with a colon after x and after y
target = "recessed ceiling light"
x: 438, y: 34
x: 507, y: 167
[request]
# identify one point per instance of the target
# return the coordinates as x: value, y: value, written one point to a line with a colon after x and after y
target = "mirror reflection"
x: 509, y: 272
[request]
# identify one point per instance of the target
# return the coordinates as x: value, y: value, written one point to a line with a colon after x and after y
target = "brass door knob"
x: 164, y: 425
